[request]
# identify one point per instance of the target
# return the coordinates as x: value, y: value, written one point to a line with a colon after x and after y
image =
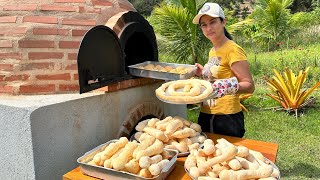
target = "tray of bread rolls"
x: 122, y: 159
x: 227, y: 161
x: 175, y: 133
x: 161, y: 70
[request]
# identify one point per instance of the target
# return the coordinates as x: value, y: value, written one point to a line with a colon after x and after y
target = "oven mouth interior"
x: 138, y: 49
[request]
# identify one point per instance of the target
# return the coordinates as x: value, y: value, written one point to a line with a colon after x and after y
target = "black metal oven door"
x: 100, y: 59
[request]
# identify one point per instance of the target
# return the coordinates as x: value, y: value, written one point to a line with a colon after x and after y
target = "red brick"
x: 37, y: 88
x: 80, y: 22
x: 125, y: 84
x: 112, y: 87
x: 72, y: 56
x: 69, y: 44
x: 6, y: 44
x: 13, y: 30
x: 65, y: 76
x: 144, y: 81
x: 20, y: 7
x: 75, y: 77
x: 2, y: 77
x: 6, y: 89
x: 36, y: 44
x: 69, y: 1
x: 20, y: 77
x: 78, y: 32
x: 101, y: 3
x: 50, y: 31
x: 94, y: 10
x: 45, y: 55
x: 81, y: 9
x: 6, y: 67
x: 69, y: 87
x: 120, y: 23
x: 72, y: 67
x: 33, y: 66
x: 125, y: 6
x: 52, y: 7
x: 8, y: 19
x: 40, y: 19
x: 117, y: 31
x: 10, y: 55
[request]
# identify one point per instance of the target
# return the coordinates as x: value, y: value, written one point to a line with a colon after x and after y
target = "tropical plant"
x: 177, y: 35
x: 242, y: 98
x: 288, y: 89
x: 274, y: 16
x: 144, y: 7
x: 302, y: 5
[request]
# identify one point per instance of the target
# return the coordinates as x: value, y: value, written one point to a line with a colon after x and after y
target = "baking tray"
x: 108, y: 173
x: 180, y: 154
x: 134, y: 70
x: 271, y: 163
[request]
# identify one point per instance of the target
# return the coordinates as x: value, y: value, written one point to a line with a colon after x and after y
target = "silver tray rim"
x: 134, y: 70
x: 164, y: 173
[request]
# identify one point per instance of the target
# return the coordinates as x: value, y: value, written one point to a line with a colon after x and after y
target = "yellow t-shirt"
x: 222, y: 59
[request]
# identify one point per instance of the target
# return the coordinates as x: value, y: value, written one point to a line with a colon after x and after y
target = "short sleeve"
x: 236, y: 54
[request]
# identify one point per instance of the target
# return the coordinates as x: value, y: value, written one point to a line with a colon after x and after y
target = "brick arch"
x: 119, y: 21
x: 135, y: 115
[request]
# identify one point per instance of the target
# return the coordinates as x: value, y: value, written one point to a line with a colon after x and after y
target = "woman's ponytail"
x: 227, y: 34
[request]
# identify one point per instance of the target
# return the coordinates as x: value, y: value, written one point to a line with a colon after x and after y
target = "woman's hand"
x: 199, y: 69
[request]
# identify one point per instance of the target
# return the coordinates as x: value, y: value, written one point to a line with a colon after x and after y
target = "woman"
x: 228, y: 67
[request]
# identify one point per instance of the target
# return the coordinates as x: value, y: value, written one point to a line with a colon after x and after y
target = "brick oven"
x: 47, y: 133
x: 39, y: 41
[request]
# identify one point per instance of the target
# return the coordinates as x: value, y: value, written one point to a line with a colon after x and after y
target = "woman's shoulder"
x: 233, y: 44
x: 234, y: 47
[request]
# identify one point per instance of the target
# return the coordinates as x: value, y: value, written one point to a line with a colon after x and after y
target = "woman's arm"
x: 242, y: 72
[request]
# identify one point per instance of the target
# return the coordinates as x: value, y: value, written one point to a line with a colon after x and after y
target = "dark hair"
x: 226, y: 33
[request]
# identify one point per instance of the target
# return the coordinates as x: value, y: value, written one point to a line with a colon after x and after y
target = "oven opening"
x: 138, y: 49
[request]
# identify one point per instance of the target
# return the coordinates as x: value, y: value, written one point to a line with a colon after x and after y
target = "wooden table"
x: 269, y: 150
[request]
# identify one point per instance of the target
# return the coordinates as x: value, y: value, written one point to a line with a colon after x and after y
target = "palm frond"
x: 179, y: 36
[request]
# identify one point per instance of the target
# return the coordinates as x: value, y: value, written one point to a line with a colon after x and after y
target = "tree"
x: 301, y: 5
x: 177, y: 35
x: 144, y: 7
x: 273, y: 16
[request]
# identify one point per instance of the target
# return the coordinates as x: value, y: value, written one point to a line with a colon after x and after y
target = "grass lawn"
x: 298, y: 155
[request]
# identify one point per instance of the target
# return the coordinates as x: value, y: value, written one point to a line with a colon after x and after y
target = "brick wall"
x: 39, y: 41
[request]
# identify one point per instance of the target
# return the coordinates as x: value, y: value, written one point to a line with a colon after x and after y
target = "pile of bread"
x: 145, y: 159
x: 170, y: 69
x: 225, y: 161
x: 174, y: 132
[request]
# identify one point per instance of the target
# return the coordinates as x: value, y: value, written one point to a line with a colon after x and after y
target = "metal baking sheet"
x: 181, y: 154
x: 134, y: 70
x: 108, y: 173
x: 271, y: 163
